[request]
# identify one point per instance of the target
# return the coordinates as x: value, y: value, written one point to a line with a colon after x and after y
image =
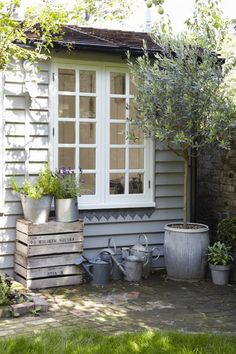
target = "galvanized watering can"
x: 145, y: 254
x: 108, y: 255
x: 131, y: 267
x: 99, y: 271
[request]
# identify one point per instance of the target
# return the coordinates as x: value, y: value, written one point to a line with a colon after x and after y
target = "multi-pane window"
x: 93, y: 108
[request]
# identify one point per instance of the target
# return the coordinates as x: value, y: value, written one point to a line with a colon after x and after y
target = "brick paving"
x: 156, y: 303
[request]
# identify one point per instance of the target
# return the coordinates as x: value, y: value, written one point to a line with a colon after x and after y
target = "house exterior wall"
x: 27, y: 146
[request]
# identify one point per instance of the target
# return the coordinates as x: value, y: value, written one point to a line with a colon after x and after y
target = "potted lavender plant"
x: 66, y: 191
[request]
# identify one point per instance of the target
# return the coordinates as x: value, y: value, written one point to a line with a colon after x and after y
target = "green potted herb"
x: 226, y: 232
x: 219, y: 259
x: 66, y: 191
x: 36, y: 197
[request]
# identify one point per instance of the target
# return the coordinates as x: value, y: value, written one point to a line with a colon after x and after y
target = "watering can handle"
x: 118, y: 265
x: 109, y: 243
x: 86, y: 268
x: 145, y: 238
x: 158, y: 255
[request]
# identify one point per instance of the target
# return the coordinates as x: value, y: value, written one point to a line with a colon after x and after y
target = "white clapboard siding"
x: 12, y: 142
x: 169, y: 179
x: 6, y: 261
x: 15, y: 116
x: 11, y: 196
x: 38, y: 142
x: 15, y: 129
x: 41, y: 103
x: 169, y: 202
x: 38, y: 129
x: 14, y: 168
x: 13, y: 207
x: 175, y: 190
x: 166, y: 155
x: 15, y: 102
x: 8, y: 235
x: 36, y: 116
x: 38, y: 155
x: 15, y: 155
x: 7, y: 248
x: 13, y: 88
x: 169, y: 166
x: 15, y: 76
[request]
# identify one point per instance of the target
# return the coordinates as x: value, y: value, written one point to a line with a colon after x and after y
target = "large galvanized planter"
x: 66, y: 210
x: 220, y: 273
x: 36, y: 210
x: 186, y: 251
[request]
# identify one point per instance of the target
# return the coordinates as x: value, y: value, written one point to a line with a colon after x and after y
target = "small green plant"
x: 5, y: 290
x: 219, y: 254
x: 66, y: 184
x: 226, y: 231
x: 44, y: 185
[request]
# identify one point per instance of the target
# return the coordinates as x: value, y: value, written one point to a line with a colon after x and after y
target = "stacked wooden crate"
x: 45, y: 253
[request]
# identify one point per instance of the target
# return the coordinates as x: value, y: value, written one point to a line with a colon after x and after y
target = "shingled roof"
x: 105, y: 40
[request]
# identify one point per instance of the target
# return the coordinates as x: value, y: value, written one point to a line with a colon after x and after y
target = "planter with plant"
x: 66, y: 191
x: 219, y: 259
x: 36, y: 197
x: 226, y: 232
x: 183, y: 104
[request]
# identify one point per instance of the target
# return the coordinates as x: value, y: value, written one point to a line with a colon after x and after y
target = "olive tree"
x: 182, y: 99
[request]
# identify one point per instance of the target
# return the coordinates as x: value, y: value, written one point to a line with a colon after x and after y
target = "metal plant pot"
x: 185, y: 251
x: 66, y: 210
x: 220, y: 274
x: 36, y: 210
x: 232, y: 276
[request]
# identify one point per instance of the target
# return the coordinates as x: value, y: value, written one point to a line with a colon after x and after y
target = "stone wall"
x: 216, y: 185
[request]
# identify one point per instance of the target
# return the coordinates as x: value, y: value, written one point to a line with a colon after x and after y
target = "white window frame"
x: 102, y: 199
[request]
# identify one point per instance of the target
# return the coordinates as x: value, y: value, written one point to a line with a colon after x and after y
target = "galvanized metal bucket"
x: 66, y: 210
x: 36, y: 210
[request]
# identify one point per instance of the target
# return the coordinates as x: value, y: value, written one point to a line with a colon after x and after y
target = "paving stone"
x: 5, y: 312
x: 21, y: 309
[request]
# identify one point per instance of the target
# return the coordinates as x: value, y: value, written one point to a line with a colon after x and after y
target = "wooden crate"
x: 45, y: 253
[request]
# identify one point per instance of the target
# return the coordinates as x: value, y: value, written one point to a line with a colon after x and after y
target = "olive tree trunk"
x: 186, y: 178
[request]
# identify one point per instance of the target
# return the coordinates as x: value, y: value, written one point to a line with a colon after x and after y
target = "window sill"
x: 115, y: 206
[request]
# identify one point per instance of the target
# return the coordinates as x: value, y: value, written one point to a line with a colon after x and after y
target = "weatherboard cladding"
x: 26, y: 149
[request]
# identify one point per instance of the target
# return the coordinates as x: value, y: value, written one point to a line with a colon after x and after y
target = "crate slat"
x: 46, y: 261
x: 30, y: 251
x: 40, y: 240
x: 49, y: 282
x: 51, y: 227
x: 47, y: 272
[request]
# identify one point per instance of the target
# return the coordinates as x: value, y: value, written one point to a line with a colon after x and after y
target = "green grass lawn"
x: 87, y: 342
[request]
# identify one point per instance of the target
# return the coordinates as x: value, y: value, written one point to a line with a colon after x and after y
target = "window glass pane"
x: 87, y: 133
x: 117, y: 83
x: 87, y: 158
x: 117, y: 133
x: 132, y: 109
x: 136, y: 135
x: 135, y: 183
x: 87, y: 181
x: 66, y: 158
x: 136, y: 158
x: 133, y: 89
x: 66, y: 133
x: 87, y: 107
x: 117, y: 158
x: 66, y: 106
x: 117, y: 183
x: 66, y: 80
x: 117, y: 109
x: 87, y: 81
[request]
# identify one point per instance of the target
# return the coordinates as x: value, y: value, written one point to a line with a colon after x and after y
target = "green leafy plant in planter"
x: 66, y: 190
x: 184, y: 105
x: 226, y: 232
x: 219, y: 259
x: 5, y: 290
x: 36, y: 197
